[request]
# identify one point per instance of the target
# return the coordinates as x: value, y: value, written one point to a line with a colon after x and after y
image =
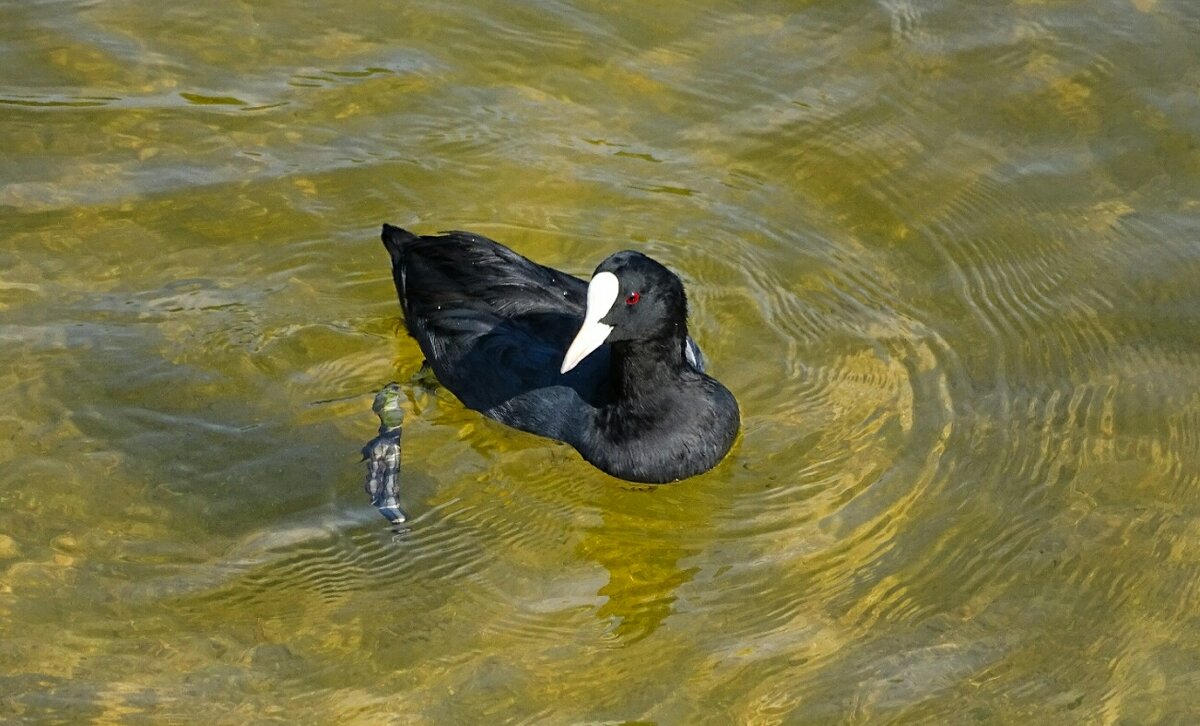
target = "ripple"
x: 59, y: 101
x: 327, y: 557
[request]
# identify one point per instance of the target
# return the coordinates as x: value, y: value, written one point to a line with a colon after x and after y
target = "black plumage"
x: 495, y: 327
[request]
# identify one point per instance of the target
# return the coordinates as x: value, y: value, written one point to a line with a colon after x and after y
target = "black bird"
x: 605, y: 366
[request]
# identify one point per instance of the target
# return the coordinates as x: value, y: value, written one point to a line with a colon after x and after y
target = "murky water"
x: 945, y: 254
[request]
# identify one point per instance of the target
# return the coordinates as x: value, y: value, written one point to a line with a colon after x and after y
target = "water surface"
x: 945, y: 254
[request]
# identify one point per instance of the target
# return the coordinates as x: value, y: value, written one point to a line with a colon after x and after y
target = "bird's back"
x: 493, y: 326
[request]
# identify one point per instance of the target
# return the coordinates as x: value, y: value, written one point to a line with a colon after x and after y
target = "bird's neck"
x: 643, y: 368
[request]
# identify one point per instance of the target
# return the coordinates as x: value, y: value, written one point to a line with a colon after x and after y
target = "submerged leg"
x: 382, y: 455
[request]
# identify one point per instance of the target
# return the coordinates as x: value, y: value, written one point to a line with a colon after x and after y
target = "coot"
x: 605, y: 366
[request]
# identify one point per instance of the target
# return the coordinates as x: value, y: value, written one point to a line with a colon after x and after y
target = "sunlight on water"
x: 944, y: 255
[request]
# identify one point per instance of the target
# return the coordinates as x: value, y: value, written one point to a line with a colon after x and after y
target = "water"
x: 945, y: 254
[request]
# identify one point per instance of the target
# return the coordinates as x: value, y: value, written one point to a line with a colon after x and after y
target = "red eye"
x: 632, y: 298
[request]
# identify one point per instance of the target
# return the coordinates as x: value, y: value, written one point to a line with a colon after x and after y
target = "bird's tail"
x: 395, y: 239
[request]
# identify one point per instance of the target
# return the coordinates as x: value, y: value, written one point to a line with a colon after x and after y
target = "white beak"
x: 601, y: 296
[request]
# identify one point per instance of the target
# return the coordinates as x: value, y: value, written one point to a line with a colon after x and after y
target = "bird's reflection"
x: 642, y: 542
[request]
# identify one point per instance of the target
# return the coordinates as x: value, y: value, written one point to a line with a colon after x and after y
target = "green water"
x: 945, y: 254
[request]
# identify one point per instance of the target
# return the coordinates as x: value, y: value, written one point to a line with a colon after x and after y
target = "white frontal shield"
x: 601, y: 296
